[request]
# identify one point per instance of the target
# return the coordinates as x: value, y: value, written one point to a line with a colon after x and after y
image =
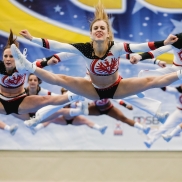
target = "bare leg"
x: 93, y: 110
x: 34, y: 102
x: 131, y: 86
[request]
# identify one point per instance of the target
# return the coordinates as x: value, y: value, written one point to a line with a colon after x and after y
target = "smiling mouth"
x: 99, y: 35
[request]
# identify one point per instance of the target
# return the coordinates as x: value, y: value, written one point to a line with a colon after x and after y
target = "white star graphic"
x: 140, y: 4
x: 57, y: 8
x: 177, y: 25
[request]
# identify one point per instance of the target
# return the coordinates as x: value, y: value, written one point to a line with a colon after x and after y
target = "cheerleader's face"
x: 99, y: 31
x: 8, y: 60
x: 33, y: 81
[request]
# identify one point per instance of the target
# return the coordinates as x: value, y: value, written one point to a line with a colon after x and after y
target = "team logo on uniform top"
x: 105, y: 67
x: 180, y: 54
x: 13, y: 81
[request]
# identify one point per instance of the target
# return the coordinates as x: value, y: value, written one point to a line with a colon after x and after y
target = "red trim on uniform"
x: 56, y: 56
x: 47, y: 43
x: 176, y: 64
x: 151, y: 45
x: 125, y: 47
x: 152, y: 56
x: 121, y: 102
x: 38, y: 64
x: 17, y: 98
x: 127, y: 56
x: 179, y: 108
x: 117, y: 81
x: 49, y: 93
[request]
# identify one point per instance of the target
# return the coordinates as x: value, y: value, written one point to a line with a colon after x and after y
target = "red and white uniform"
x: 104, y: 66
x: 12, y: 81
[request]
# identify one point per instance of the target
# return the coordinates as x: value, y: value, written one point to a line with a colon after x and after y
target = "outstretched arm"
x: 134, y: 59
x: 55, y: 59
x: 50, y: 44
x: 158, y: 62
x: 171, y: 39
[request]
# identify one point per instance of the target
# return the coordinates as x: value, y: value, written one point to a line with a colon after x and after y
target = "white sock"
x: 7, y: 128
x: 75, y: 111
x: 138, y: 126
x: 96, y: 126
x: 179, y: 74
x: 39, y: 126
x: 175, y: 131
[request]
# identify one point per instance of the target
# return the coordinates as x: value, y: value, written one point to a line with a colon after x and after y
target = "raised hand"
x: 52, y: 61
x: 135, y: 59
x: 130, y: 107
x: 162, y: 64
x: 26, y: 34
x: 170, y: 39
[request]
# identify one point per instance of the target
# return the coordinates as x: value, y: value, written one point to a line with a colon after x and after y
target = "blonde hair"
x: 11, y: 40
x: 100, y: 14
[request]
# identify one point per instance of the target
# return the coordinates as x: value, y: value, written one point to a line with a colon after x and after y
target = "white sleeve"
x: 64, y: 56
x: 161, y: 50
x: 151, y: 61
x: 143, y: 47
x: 57, y: 46
x: 128, y: 48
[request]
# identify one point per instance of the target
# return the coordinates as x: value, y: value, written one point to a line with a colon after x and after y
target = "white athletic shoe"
x: 18, y: 58
x: 146, y: 129
x: 166, y: 137
x: 103, y: 129
x: 32, y: 122
x: 13, y: 129
x: 148, y: 143
x: 22, y: 64
x: 162, y: 117
x: 84, y: 108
